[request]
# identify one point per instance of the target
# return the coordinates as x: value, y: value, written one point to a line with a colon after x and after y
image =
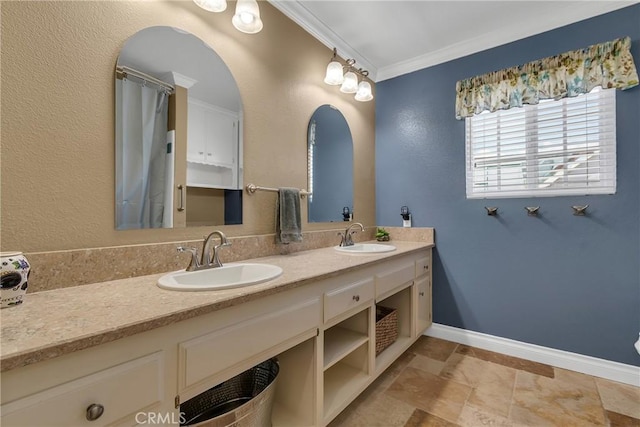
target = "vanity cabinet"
x: 323, y: 335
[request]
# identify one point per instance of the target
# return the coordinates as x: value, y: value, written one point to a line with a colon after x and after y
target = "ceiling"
x: 391, y: 38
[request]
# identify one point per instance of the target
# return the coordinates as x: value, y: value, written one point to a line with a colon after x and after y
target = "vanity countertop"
x: 53, y: 323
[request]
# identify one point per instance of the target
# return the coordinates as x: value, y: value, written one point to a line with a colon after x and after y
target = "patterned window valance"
x: 609, y: 65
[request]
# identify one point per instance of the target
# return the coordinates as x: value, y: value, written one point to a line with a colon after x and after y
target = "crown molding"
x: 555, y: 18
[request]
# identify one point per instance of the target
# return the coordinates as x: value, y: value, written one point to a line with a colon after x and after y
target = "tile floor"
x: 443, y: 384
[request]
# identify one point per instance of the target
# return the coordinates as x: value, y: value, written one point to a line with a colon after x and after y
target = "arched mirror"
x: 330, y: 166
x: 178, y: 134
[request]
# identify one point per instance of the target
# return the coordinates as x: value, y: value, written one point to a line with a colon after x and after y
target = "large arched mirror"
x: 178, y: 133
x: 330, y: 166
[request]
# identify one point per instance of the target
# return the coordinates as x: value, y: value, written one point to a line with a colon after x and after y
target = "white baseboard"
x: 602, y: 368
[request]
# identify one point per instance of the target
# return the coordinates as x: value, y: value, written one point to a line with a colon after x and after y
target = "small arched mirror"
x: 330, y: 166
x: 178, y: 133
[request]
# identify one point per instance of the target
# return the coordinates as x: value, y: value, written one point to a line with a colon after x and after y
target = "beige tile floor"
x: 443, y: 384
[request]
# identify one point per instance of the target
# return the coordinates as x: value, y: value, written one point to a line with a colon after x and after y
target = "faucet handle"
x: 193, y: 264
x: 185, y: 249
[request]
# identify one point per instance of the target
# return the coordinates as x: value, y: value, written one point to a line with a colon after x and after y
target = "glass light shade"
x: 364, y: 92
x: 350, y: 84
x: 212, y: 5
x: 334, y: 74
x: 247, y: 17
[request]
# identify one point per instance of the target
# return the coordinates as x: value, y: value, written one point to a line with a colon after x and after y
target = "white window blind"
x: 558, y: 147
x: 311, y: 145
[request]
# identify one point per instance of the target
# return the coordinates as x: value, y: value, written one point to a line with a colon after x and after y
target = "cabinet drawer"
x: 347, y: 297
x: 391, y: 279
x: 209, y: 354
x: 122, y: 390
x: 423, y: 266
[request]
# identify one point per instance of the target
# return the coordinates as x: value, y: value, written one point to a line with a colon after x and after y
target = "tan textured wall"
x: 57, y: 134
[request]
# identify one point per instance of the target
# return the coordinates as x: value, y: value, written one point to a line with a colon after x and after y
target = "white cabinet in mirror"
x: 169, y: 82
x: 212, y: 146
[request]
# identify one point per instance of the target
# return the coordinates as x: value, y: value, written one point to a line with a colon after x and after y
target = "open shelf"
x: 391, y: 353
x: 402, y: 302
x: 294, y: 401
x: 342, y: 383
x: 339, y: 342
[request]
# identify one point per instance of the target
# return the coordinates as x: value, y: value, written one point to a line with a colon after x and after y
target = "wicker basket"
x: 386, y: 327
x: 245, y: 400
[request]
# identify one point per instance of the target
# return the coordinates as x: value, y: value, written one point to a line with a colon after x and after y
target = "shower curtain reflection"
x: 142, y: 153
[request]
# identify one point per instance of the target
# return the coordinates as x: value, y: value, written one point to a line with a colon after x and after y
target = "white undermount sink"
x: 365, y: 248
x: 226, y: 277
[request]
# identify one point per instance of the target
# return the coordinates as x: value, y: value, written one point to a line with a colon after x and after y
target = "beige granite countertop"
x: 53, y: 323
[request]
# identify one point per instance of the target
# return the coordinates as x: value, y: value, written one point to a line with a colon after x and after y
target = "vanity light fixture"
x: 364, y: 92
x: 247, y: 15
x: 346, y: 75
x: 334, y: 74
x: 212, y: 5
x: 350, y: 83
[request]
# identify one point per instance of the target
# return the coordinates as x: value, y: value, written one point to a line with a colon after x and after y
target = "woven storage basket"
x: 386, y: 327
x: 245, y: 400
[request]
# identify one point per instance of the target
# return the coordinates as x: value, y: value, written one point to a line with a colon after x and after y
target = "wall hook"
x: 492, y: 210
x: 532, y: 210
x: 580, y: 210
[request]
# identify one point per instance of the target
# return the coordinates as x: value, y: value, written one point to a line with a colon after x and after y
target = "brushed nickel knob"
x: 94, y: 411
x: 356, y: 298
x: 421, y: 294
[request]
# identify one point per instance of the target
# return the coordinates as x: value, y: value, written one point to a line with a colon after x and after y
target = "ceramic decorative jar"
x: 14, y: 273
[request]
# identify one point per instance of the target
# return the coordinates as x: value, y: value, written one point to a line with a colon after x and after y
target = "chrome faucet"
x: 207, y: 259
x: 212, y: 260
x: 346, y: 239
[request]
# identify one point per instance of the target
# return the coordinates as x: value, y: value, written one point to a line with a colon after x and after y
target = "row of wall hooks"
x: 534, y: 210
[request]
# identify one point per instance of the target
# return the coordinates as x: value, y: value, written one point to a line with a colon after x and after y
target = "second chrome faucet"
x: 209, y: 257
x: 345, y: 238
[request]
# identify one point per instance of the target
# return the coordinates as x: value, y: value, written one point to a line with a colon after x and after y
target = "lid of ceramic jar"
x: 7, y: 254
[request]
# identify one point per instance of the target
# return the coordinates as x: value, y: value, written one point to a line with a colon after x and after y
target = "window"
x: 554, y: 148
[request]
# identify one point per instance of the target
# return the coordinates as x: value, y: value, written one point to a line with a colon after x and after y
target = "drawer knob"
x: 426, y: 267
x: 356, y: 298
x: 94, y: 411
x: 421, y: 294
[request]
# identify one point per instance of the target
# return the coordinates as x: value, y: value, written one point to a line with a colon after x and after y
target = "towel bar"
x: 252, y: 188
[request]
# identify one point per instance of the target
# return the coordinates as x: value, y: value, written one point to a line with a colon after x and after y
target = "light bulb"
x: 247, y: 17
x: 364, y: 92
x: 212, y: 5
x: 334, y: 74
x: 350, y: 83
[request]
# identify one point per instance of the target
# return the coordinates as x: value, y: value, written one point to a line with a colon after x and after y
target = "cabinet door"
x: 196, y: 132
x: 221, y: 146
x: 423, y: 298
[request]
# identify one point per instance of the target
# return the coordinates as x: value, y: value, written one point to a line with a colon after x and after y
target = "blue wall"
x: 560, y: 281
